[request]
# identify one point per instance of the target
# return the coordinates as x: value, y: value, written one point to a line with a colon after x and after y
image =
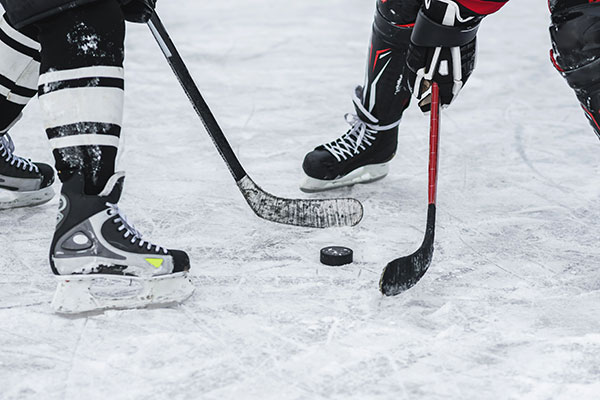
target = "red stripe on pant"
x: 482, y: 7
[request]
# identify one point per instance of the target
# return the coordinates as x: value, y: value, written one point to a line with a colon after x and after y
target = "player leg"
x: 362, y: 154
x: 22, y: 182
x: 575, y: 33
x: 81, y: 90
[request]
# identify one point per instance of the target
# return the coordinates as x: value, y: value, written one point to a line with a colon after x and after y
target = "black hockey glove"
x: 138, y: 10
x: 442, y: 49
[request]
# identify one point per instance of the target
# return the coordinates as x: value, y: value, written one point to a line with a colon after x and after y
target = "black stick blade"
x: 312, y: 213
x: 403, y: 273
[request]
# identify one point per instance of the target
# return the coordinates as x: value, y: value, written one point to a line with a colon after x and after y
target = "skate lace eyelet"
x: 129, y: 232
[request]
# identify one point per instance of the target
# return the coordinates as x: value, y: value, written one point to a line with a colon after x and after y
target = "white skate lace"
x: 356, y: 139
x: 360, y: 136
x: 7, y: 147
x: 130, y: 230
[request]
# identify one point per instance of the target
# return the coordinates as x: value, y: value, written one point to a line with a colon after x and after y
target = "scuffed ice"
x: 508, y: 309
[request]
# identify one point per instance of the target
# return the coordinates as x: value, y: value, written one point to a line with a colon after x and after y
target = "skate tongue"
x: 7, y: 142
x: 114, y: 187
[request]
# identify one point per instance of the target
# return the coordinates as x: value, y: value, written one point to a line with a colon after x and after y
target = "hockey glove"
x: 138, y: 10
x: 442, y: 49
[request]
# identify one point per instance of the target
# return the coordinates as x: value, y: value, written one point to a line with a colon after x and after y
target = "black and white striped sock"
x: 83, y: 106
x: 81, y: 90
x: 83, y: 113
x: 19, y: 70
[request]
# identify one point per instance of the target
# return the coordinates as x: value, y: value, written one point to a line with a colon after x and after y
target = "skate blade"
x: 76, y: 294
x: 9, y: 199
x: 366, y: 174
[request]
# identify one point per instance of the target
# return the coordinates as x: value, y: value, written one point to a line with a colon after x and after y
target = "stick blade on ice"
x: 404, y: 272
x: 313, y: 213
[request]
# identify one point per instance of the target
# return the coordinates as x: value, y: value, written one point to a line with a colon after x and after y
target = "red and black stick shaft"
x: 434, y: 138
x: 404, y: 272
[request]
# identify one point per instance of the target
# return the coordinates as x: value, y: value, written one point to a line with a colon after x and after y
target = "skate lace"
x: 360, y: 136
x: 357, y: 138
x: 7, y: 147
x: 130, y: 230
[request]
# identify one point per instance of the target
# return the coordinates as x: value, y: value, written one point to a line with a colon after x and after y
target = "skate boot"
x: 22, y: 183
x: 361, y: 155
x: 101, y: 260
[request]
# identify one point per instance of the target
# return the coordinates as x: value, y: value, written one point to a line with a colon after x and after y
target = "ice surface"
x: 509, y: 309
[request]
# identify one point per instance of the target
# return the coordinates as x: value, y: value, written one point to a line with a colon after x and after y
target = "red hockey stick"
x: 403, y: 273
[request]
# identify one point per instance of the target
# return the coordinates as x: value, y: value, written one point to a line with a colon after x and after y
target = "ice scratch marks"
x: 483, y: 253
x: 332, y: 330
x: 27, y: 305
x: 515, y: 123
x: 69, y: 382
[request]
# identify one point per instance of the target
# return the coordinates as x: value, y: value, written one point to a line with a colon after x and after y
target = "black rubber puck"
x: 336, y: 255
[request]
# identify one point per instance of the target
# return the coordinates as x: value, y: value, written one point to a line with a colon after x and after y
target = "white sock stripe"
x: 18, y: 36
x: 89, y: 139
x: 98, y: 71
x: 29, y: 77
x: 73, y: 105
x: 13, y: 63
x: 13, y: 98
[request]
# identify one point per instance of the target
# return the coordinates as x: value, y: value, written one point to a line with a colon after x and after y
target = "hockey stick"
x: 403, y: 273
x: 315, y: 213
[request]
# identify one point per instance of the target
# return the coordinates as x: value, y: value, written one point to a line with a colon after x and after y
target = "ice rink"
x: 508, y: 310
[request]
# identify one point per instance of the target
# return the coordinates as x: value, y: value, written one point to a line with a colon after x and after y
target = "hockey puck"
x: 336, y: 255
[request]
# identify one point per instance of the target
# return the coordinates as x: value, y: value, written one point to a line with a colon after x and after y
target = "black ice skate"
x: 361, y: 155
x: 22, y: 183
x: 96, y: 252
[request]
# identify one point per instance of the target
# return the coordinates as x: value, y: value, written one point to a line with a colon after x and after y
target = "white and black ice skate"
x: 23, y: 183
x: 361, y: 155
x: 101, y: 260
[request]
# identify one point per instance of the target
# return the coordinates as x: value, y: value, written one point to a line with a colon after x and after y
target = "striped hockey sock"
x: 19, y: 68
x: 81, y: 90
x: 83, y: 110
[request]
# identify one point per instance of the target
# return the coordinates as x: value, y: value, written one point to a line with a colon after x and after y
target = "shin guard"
x: 575, y: 53
x: 385, y: 94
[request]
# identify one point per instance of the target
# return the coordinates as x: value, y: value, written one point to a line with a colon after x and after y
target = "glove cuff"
x: 428, y: 33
